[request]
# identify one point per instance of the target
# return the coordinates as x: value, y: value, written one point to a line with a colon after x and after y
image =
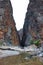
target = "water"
x: 5, y: 53
x: 19, y: 50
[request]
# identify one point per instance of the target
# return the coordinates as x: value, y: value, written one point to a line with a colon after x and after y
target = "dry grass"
x: 19, y: 60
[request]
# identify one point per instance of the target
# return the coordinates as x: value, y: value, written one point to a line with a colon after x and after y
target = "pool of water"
x: 5, y: 53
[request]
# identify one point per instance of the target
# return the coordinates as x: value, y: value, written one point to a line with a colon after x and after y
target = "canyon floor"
x: 19, y: 60
x: 19, y: 57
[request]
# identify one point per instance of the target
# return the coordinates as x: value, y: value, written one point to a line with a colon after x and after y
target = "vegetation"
x: 36, y: 42
x: 1, y: 43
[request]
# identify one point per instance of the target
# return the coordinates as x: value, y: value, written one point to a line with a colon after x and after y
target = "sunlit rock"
x: 8, y: 32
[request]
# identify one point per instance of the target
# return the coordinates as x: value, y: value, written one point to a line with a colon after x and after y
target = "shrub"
x: 36, y: 42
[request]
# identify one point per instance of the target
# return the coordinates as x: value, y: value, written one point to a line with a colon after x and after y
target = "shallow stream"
x: 5, y: 53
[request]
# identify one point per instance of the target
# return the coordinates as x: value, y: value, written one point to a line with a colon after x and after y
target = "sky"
x: 19, y: 12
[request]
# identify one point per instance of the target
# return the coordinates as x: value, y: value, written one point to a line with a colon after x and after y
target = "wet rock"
x: 33, y: 25
x: 8, y: 31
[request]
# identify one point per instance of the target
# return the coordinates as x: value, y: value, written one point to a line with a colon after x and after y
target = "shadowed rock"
x: 20, y: 32
x: 33, y: 25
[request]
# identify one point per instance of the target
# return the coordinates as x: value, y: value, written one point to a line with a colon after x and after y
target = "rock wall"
x: 33, y: 25
x: 20, y: 32
x: 8, y: 32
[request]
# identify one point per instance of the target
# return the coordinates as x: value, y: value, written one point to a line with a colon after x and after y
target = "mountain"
x: 33, y: 24
x: 8, y: 31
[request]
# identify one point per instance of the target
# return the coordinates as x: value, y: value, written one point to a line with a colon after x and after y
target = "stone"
x: 33, y: 24
x: 8, y: 31
x: 20, y: 32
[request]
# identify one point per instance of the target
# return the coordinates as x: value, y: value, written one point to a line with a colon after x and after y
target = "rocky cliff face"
x: 33, y: 25
x: 20, y: 32
x: 8, y: 32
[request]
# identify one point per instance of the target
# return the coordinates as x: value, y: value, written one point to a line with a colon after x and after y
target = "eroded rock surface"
x: 20, y: 32
x: 8, y: 32
x: 33, y: 25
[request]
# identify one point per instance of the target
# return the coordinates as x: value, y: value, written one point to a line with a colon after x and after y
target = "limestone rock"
x: 8, y: 32
x: 33, y: 25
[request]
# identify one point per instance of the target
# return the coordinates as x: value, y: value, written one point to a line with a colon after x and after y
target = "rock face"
x: 33, y: 25
x: 8, y: 32
x: 20, y: 32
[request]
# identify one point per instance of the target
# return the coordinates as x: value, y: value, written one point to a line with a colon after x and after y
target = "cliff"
x: 8, y: 31
x: 33, y: 24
